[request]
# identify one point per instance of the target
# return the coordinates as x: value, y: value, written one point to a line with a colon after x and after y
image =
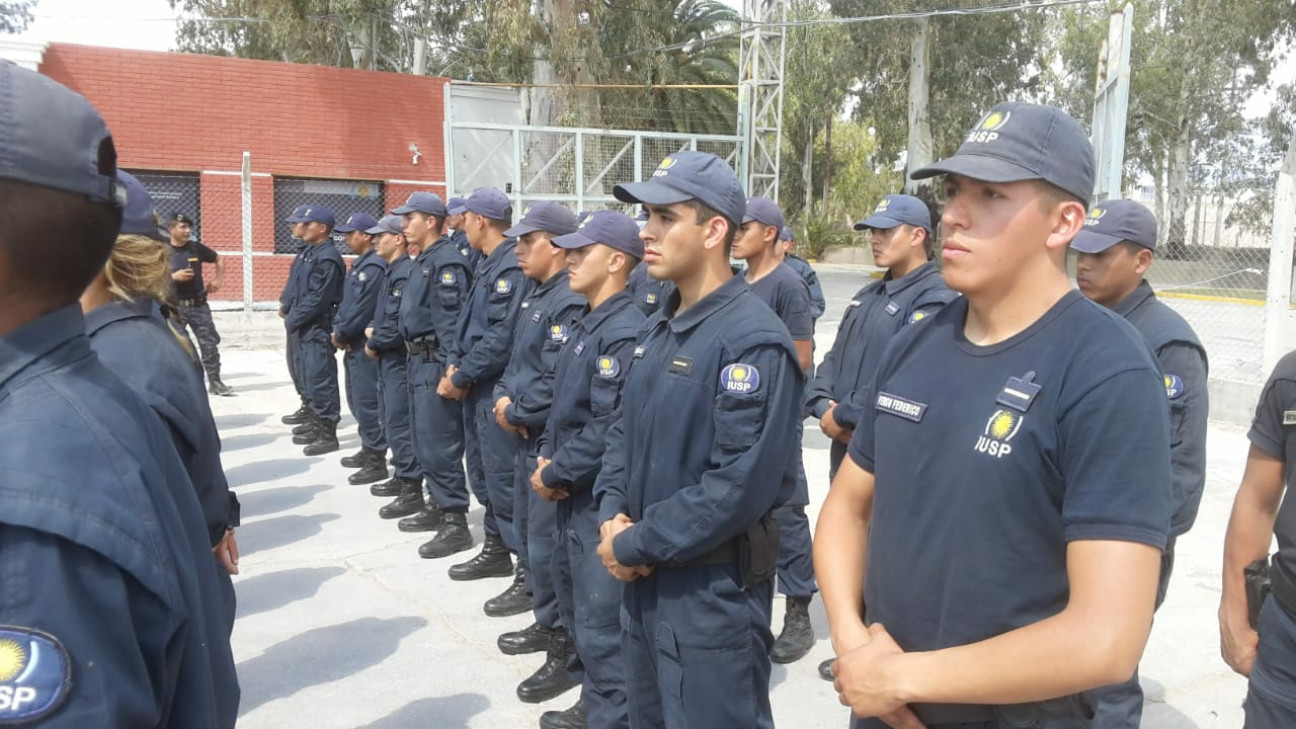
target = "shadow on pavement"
x: 280, y: 531
x: 448, y: 712
x: 240, y: 420
x: 247, y: 474
x: 320, y: 656
x: 248, y: 440
x: 273, y: 590
x: 279, y: 498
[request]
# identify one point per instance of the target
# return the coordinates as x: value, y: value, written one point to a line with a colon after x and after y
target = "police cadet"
x: 1014, y: 566
x: 1115, y: 249
x: 523, y: 397
x: 787, y: 295
x: 292, y: 346
x: 648, y: 293
x: 1258, y: 635
x: 455, y: 222
x: 481, y: 348
x: 586, y: 399
x: 787, y: 244
x: 317, y: 293
x: 108, y: 578
x: 126, y: 329
x: 430, y: 308
x: 385, y: 344
x: 695, y: 464
x: 359, y: 299
x: 187, y: 259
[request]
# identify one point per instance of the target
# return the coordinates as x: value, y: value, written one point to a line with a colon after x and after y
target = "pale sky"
x: 151, y: 25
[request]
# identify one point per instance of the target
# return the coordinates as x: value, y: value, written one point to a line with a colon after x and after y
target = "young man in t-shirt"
x: 1009, y: 492
x: 187, y: 259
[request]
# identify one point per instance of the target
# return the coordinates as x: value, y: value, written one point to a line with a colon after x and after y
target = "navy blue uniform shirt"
x: 318, y: 287
x: 872, y: 318
x: 698, y: 453
x: 587, y: 392
x: 102, y: 545
x: 359, y: 298
x: 386, y: 320
x: 289, y: 292
x: 485, y: 333
x: 133, y: 341
x: 434, y: 295
x: 1184, y: 366
x: 807, y: 273
x: 787, y: 296
x: 989, y: 460
x: 547, y: 318
x: 648, y: 293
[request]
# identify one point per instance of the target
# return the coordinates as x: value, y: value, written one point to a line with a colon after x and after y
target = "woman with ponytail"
x: 127, y: 329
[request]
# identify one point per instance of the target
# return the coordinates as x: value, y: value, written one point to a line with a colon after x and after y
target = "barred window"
x: 343, y: 197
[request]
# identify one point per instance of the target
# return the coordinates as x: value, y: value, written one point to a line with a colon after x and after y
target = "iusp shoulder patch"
x: 917, y: 316
x: 35, y: 674
x: 740, y: 377
x: 503, y: 286
x: 558, y: 332
x: 448, y: 278
x: 1174, y: 386
x: 608, y: 367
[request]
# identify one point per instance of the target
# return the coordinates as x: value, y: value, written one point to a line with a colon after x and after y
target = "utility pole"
x: 761, y: 61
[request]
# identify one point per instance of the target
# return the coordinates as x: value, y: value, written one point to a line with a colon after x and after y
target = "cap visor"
x: 344, y: 228
x: 402, y: 210
x: 1090, y: 242
x: 877, y: 222
x: 650, y: 193
x: 520, y: 230
x: 573, y: 240
x: 456, y: 210
x: 294, y: 219
x: 977, y: 167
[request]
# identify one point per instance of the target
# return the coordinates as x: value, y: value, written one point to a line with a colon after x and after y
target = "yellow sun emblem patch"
x: 13, y: 658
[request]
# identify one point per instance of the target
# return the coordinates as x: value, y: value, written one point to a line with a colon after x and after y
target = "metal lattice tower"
x: 762, y: 57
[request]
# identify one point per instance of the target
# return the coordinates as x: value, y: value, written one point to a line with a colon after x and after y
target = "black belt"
x: 725, y: 554
x: 196, y: 301
x: 426, y: 346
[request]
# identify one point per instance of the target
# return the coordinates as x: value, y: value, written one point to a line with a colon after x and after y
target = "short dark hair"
x: 79, y: 232
x: 705, y: 213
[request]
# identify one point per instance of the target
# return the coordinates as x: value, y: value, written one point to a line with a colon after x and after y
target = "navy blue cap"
x: 139, y: 217
x: 456, y: 206
x: 685, y: 176
x: 298, y: 214
x: 52, y: 137
x: 609, y: 227
x: 357, y: 221
x: 898, y: 210
x: 641, y: 216
x: 764, y: 211
x: 1018, y: 141
x: 1113, y: 221
x: 785, y: 233
x: 389, y: 224
x: 490, y: 204
x: 318, y: 214
x: 553, y: 218
x: 428, y: 203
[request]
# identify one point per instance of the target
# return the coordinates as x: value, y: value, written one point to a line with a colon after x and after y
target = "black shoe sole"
x: 362, y: 479
x: 441, y: 553
x: 405, y: 526
x: 508, y: 610
x: 508, y: 650
x: 504, y: 570
x: 401, y: 511
x: 548, y: 694
x: 312, y: 450
x: 293, y: 419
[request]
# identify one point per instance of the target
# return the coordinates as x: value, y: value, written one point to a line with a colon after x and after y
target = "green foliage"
x: 817, y: 233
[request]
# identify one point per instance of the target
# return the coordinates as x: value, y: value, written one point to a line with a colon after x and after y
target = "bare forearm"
x: 1249, y: 534
x: 840, y: 558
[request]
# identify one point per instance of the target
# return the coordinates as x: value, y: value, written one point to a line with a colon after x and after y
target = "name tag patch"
x: 1175, y: 387
x: 35, y: 674
x: 1289, y: 417
x: 362, y: 276
x: 639, y: 351
x: 681, y: 365
x: 608, y: 367
x: 896, y: 405
x: 580, y: 347
x: 892, y: 308
x: 1019, y: 392
x: 740, y: 377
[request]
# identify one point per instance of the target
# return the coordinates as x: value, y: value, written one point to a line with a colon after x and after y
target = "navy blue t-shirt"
x: 786, y: 294
x: 989, y: 460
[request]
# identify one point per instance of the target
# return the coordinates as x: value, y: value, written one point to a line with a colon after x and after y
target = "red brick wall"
x: 190, y: 113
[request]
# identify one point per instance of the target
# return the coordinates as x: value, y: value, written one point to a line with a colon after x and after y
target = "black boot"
x: 825, y: 669
x: 298, y: 416
x: 372, y: 472
x: 216, y: 387
x: 325, y: 441
x: 550, y: 680
x: 534, y: 638
x: 513, y: 601
x: 306, y: 433
x: 409, y: 502
x: 492, y: 561
x: 394, y: 487
x: 363, y: 457
x: 798, y: 636
x: 453, y: 537
x: 307, y: 425
x: 573, y: 718
x: 427, y: 520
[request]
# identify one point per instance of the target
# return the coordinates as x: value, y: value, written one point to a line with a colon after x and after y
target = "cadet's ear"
x: 616, y: 262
